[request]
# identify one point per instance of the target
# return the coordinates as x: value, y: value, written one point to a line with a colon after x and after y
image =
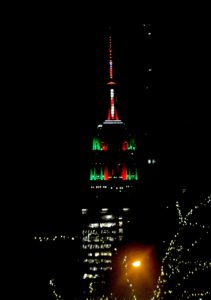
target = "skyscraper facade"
x: 113, y: 178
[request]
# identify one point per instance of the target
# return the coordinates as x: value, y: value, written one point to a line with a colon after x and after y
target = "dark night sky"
x: 61, y: 69
x: 55, y: 59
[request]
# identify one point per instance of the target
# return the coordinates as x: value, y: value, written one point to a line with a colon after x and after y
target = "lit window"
x: 84, y: 211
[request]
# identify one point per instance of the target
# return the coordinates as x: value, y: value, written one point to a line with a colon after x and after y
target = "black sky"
x: 60, y: 66
x: 54, y: 63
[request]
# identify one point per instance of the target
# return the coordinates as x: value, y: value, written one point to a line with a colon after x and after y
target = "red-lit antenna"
x: 110, y: 59
x: 112, y: 113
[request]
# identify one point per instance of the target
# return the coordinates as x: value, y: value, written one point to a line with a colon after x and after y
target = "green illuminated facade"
x: 113, y: 161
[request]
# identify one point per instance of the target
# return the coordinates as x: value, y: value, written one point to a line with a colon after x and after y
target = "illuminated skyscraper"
x: 113, y: 178
x: 113, y: 164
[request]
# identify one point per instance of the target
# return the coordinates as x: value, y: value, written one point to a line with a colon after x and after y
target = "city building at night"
x: 113, y: 178
x: 118, y: 162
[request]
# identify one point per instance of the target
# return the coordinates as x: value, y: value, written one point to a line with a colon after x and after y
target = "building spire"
x: 112, y: 112
x: 110, y: 59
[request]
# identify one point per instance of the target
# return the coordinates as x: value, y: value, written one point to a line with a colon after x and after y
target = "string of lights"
x: 53, y: 238
x: 53, y: 289
x: 179, y: 265
x: 129, y: 282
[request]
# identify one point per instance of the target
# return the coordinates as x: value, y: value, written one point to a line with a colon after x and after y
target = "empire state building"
x: 113, y: 179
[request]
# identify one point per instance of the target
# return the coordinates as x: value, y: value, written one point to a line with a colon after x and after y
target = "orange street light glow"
x: 136, y: 263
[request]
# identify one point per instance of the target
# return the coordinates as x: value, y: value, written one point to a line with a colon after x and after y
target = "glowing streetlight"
x: 137, y: 271
x: 136, y: 263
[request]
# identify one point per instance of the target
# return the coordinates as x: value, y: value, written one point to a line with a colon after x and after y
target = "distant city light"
x: 151, y: 161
